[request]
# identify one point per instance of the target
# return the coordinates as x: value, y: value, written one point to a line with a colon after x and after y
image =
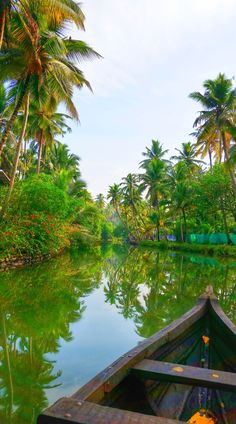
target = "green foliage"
x: 31, y: 235
x: 39, y: 194
x: 107, y: 231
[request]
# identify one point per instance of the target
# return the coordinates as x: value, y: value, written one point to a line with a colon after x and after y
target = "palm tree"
x: 155, y: 152
x: 17, y: 156
x: 43, y: 126
x: 153, y: 181
x: 55, y: 11
x: 41, y: 62
x: 181, y: 200
x: 115, y: 195
x: 188, y: 156
x: 131, y: 192
x: 218, y: 115
x: 60, y: 158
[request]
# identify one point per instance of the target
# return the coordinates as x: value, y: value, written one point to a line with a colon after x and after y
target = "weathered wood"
x: 69, y: 411
x: 221, y: 321
x: 183, y: 374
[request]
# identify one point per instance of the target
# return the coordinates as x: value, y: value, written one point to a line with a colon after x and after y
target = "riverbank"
x: 73, y: 235
x: 206, y: 249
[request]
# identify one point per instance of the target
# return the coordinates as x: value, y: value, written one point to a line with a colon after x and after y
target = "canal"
x: 64, y: 320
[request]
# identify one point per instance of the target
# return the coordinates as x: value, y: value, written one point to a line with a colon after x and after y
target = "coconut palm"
x: 181, y: 201
x: 131, y: 191
x: 54, y: 11
x: 218, y: 115
x: 41, y: 63
x: 43, y: 126
x: 153, y: 180
x: 155, y: 152
x: 188, y: 156
x: 115, y: 195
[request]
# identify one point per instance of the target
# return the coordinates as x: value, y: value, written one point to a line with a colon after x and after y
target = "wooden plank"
x: 183, y: 374
x: 69, y: 411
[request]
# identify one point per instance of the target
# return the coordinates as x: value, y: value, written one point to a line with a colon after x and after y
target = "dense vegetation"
x: 41, y: 189
x: 186, y: 195
x: 44, y: 201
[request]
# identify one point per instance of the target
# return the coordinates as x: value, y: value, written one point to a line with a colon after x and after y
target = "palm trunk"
x: 14, y: 115
x: 17, y: 156
x: 40, y: 142
x: 2, y: 23
x: 231, y: 173
x: 210, y: 158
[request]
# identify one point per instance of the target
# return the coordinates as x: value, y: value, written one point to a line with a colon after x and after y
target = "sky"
x: 155, y: 52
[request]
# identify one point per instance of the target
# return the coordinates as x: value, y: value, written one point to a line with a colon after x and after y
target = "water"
x: 63, y: 321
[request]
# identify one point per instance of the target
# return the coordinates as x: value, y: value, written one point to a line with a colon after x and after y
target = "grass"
x: 206, y: 249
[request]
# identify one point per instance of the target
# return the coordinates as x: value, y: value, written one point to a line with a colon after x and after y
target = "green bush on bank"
x: 207, y: 249
x: 35, y: 222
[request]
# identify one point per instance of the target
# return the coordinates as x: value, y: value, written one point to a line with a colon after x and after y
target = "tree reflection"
x: 154, y: 288
x: 38, y: 305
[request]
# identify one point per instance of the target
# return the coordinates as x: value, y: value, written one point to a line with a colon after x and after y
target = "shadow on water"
x: 42, y: 306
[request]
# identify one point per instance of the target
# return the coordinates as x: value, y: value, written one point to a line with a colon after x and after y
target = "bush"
x: 35, y: 223
x: 39, y: 194
x: 32, y: 235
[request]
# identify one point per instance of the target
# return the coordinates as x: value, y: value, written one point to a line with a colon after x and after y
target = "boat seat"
x: 184, y: 374
x: 69, y: 410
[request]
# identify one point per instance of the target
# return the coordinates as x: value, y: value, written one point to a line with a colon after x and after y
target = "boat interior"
x: 207, y: 344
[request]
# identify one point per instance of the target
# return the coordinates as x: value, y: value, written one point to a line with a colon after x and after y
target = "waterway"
x: 63, y: 321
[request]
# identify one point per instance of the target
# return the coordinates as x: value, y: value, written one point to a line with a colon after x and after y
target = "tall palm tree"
x: 43, y: 126
x: 155, y: 152
x: 41, y: 62
x: 17, y: 156
x: 153, y: 181
x: 218, y: 115
x: 181, y: 200
x: 131, y: 190
x: 115, y: 195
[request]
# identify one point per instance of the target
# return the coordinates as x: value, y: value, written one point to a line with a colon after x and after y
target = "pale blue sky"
x: 155, y: 53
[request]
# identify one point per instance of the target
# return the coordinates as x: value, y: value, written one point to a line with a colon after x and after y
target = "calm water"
x: 63, y: 321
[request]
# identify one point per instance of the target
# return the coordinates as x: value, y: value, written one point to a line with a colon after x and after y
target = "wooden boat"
x: 184, y: 373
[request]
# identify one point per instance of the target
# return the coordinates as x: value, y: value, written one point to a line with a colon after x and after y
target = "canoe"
x: 184, y: 373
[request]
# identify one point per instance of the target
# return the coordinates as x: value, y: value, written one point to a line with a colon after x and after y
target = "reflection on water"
x: 64, y: 320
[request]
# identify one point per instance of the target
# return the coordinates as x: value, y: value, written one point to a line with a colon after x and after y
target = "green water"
x: 63, y: 321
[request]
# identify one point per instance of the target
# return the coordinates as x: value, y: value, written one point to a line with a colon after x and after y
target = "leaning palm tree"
x: 218, y: 115
x: 41, y: 63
